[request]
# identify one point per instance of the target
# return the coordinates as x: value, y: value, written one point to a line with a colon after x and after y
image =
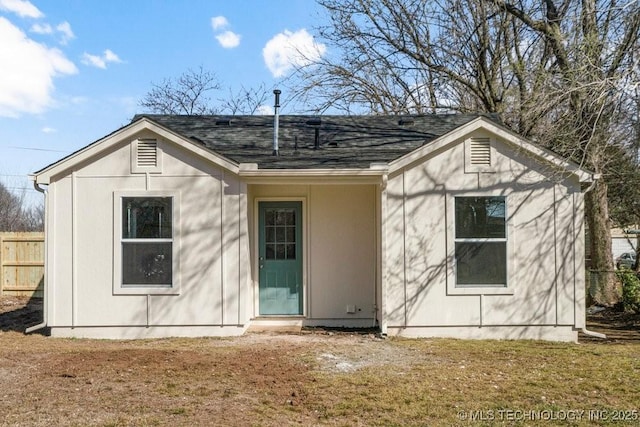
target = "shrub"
x: 630, y: 290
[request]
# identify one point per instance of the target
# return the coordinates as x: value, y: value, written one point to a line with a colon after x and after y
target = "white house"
x: 423, y: 226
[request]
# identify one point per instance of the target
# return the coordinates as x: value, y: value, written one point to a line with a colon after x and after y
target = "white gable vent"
x: 479, y: 154
x: 147, y: 153
x: 146, y: 156
x: 480, y: 151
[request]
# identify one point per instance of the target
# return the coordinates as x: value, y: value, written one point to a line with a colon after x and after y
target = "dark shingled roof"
x: 343, y: 141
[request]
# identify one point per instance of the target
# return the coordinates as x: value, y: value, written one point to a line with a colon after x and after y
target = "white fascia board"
x: 502, y: 132
x: 44, y: 176
x: 310, y: 176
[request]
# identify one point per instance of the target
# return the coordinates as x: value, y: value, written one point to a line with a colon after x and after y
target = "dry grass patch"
x: 447, y: 377
x: 284, y: 380
x: 312, y: 379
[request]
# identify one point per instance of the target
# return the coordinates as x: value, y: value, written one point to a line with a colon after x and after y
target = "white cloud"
x: 27, y: 70
x: 228, y: 39
x: 47, y: 129
x: 67, y: 34
x: 265, y: 110
x: 219, y: 22
x: 109, y: 56
x: 287, y: 50
x: 100, y: 61
x: 64, y: 29
x: 41, y: 29
x: 22, y: 8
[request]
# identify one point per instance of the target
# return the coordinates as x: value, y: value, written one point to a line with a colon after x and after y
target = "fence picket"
x: 22, y: 264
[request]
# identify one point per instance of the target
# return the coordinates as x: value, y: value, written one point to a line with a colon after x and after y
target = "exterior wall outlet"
x: 351, y: 309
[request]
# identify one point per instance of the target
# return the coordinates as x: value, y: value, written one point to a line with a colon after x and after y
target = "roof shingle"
x: 343, y: 141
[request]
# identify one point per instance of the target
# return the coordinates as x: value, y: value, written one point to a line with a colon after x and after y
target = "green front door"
x: 280, y: 258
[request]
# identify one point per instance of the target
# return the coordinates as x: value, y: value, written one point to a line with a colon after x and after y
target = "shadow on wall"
x: 542, y: 269
x: 209, y: 238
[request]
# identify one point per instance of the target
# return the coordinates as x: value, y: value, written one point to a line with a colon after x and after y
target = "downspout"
x: 585, y: 330
x: 43, y: 324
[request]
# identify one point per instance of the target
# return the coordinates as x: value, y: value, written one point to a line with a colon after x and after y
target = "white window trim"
x: 452, y: 287
x: 118, y: 287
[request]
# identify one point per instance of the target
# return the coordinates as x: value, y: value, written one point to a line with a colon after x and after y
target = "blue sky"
x: 72, y: 71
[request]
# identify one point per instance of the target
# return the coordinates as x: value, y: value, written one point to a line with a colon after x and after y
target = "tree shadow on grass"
x: 619, y: 326
x: 19, y: 313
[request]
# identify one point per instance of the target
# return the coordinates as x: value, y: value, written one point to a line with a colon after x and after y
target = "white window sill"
x: 146, y: 290
x: 479, y: 290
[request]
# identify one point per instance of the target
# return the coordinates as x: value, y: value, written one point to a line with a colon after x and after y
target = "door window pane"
x: 291, y: 251
x: 270, y: 251
x: 270, y: 234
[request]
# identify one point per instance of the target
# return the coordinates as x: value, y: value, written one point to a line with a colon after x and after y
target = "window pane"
x: 280, y: 234
x: 146, y: 217
x: 281, y: 218
x: 481, y: 263
x: 270, y: 251
x: 146, y: 263
x: 290, y: 217
x: 291, y: 251
x: 270, y: 236
x: 480, y: 217
x: 291, y: 234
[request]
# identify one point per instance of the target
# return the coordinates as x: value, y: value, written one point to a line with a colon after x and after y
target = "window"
x: 280, y: 233
x: 146, y: 246
x: 480, y: 242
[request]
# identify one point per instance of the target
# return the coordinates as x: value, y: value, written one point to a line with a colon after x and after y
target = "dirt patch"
x: 313, y: 377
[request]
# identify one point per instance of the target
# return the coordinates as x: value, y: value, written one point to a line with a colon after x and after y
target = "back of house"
x: 431, y: 225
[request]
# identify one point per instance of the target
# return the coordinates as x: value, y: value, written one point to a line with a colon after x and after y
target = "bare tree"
x: 190, y: 94
x: 14, y: 216
x: 556, y: 71
x: 592, y: 44
x: 247, y: 101
x: 186, y: 94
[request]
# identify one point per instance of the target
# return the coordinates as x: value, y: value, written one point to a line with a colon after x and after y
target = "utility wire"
x: 37, y: 149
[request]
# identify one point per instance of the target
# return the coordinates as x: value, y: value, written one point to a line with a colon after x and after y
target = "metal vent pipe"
x: 276, y: 122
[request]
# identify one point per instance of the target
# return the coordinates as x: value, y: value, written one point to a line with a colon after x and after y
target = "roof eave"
x: 251, y: 174
x: 44, y: 175
x: 583, y: 175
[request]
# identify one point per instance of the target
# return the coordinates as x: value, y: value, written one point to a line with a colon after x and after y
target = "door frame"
x: 256, y: 252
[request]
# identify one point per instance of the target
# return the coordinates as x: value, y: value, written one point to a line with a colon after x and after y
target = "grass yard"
x: 317, y: 378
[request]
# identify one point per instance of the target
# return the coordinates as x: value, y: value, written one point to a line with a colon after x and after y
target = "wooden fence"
x: 22, y: 264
